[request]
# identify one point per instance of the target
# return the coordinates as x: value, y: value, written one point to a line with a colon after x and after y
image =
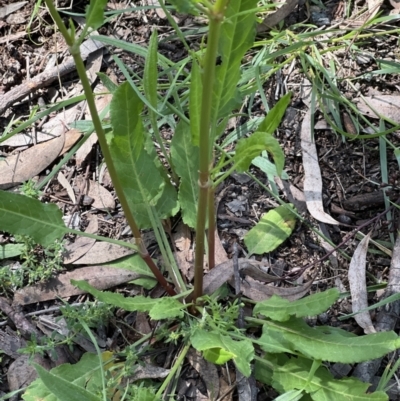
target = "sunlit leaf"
x: 272, y: 229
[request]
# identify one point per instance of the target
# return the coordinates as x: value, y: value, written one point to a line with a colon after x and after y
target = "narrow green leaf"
x: 167, y: 308
x: 273, y: 119
x: 26, y: 216
x: 237, y: 36
x: 63, y: 389
x: 150, y: 71
x: 132, y: 304
x: 185, y: 6
x: 277, y: 308
x: 273, y: 228
x: 329, y: 344
x: 136, y: 264
x: 195, y: 102
x: 107, y: 82
x: 249, y: 148
x: 185, y: 158
x: 139, y: 175
x: 267, y: 167
x: 95, y: 13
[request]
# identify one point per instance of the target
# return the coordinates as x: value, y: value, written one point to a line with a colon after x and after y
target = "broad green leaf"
x: 26, y: 216
x: 273, y: 228
x: 274, y: 116
x: 218, y: 356
x: 237, y: 36
x: 63, y: 389
x: 150, y: 71
x: 327, y: 344
x: 294, y: 374
x: 249, y: 148
x: 277, y: 308
x: 140, y: 178
x: 219, y: 347
x: 85, y: 373
x: 185, y: 158
x: 167, y: 308
x: 138, y: 303
x: 195, y: 102
x: 95, y: 13
x: 11, y: 250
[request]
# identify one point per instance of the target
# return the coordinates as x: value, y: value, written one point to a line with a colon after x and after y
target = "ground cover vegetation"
x: 171, y: 134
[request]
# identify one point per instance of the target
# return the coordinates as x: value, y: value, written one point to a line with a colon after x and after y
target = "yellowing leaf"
x: 272, y: 229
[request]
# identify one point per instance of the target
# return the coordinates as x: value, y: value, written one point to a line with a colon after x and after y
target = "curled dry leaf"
x: 103, y: 199
x: 71, y: 137
x: 312, y: 174
x: 103, y: 252
x: 22, y: 166
x: 383, y: 105
x: 81, y: 245
x: 207, y: 371
x: 251, y: 288
x: 358, y: 286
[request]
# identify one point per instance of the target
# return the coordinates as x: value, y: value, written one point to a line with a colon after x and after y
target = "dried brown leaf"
x: 22, y: 166
x: 312, y: 174
x: 100, y: 277
x: 103, y: 199
x: 81, y: 245
x: 103, y: 252
x: 358, y: 286
x: 251, y: 288
x: 383, y: 105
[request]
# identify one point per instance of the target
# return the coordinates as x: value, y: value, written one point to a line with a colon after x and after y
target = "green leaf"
x: 167, y: 308
x: 150, y: 75
x: 219, y: 347
x: 322, y: 386
x: 273, y: 119
x: 195, y: 102
x: 107, y: 82
x: 26, y: 216
x: 95, y: 13
x: 136, y: 264
x: 63, y: 389
x: 277, y: 308
x: 267, y: 167
x: 249, y: 148
x: 237, y: 36
x: 142, y: 181
x: 273, y: 228
x: 329, y: 344
x: 132, y: 304
x: 11, y: 250
x: 185, y: 158
x: 185, y: 6
x: 86, y: 373
x: 218, y: 356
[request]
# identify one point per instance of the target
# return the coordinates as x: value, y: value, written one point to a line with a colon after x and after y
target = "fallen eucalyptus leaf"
x: 312, y: 174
